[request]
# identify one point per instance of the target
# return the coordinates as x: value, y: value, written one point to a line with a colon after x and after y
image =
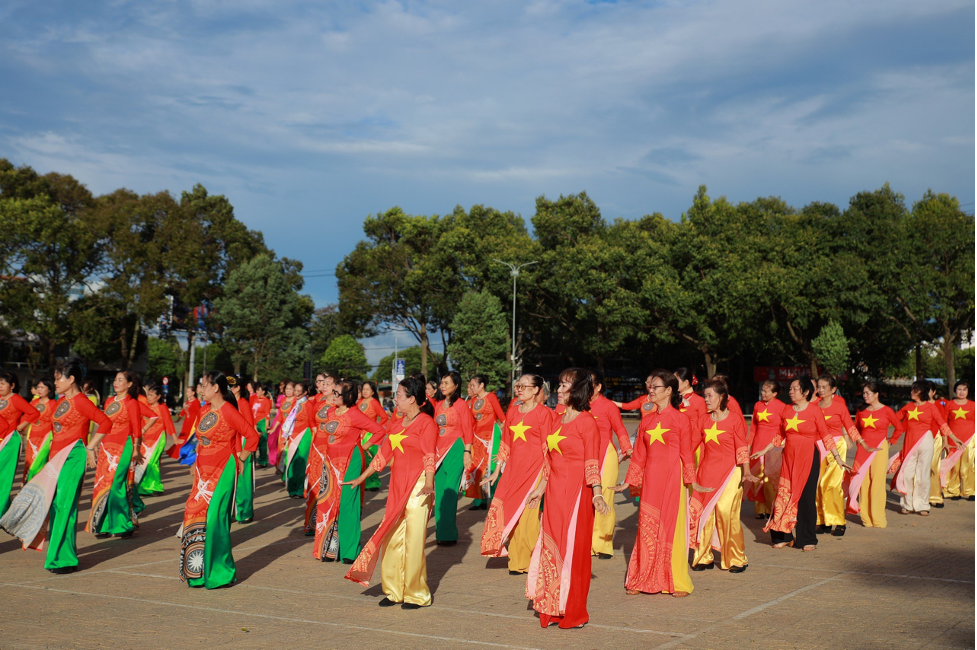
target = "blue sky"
x: 311, y: 115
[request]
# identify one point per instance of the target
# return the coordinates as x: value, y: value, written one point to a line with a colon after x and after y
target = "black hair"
x: 304, y: 385
x: 684, y: 374
x: 134, y: 384
x: 219, y: 379
x: 960, y: 383
x: 417, y: 375
x: 235, y: 381
x: 88, y: 383
x: 671, y: 381
x: 806, y: 385
x: 932, y: 388
x: 437, y: 390
x: 481, y: 379
x: 373, y: 387
x: 873, y: 385
x: 537, y: 381
x: 414, y: 387
x: 11, y: 378
x: 155, y: 388
x: 828, y: 377
x: 347, y: 392
x: 922, y: 387
x: 597, y: 377
x: 774, y: 385
x: 456, y: 379
x: 721, y: 389
x: 74, y: 369
x: 581, y: 388
x: 49, y: 383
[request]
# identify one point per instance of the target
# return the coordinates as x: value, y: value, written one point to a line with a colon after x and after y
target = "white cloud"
x: 429, y: 104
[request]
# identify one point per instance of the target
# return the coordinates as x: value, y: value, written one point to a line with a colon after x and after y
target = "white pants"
x: 916, y: 475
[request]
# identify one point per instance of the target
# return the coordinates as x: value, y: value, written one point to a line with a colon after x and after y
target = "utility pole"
x: 514, y: 272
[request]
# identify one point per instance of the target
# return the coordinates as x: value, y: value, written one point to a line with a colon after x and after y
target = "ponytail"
x: 217, y: 378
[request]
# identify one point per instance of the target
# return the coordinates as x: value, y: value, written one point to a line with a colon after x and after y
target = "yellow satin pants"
x: 960, y: 480
x: 725, y: 520
x: 603, y: 541
x: 871, y: 496
x: 831, y: 497
x: 403, y: 569
x: 936, y: 492
x: 680, y: 545
x: 769, y: 492
x: 523, y: 538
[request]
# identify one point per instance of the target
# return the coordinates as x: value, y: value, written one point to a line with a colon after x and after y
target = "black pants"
x: 807, y: 512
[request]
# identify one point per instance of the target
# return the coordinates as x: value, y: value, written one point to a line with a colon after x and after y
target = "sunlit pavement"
x: 908, y: 586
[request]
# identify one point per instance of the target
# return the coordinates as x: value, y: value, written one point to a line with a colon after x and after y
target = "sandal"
x: 810, y: 547
x: 923, y: 513
x: 781, y: 545
x: 905, y: 512
x: 679, y: 594
x: 631, y: 592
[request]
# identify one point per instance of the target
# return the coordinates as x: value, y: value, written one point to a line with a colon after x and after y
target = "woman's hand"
x: 426, y: 490
x: 956, y: 440
x: 91, y: 458
x: 359, y: 481
x: 489, y: 480
x: 865, y: 446
x: 621, y: 488
x: 244, y: 456
x: 137, y: 454
x: 600, y: 505
x: 842, y: 463
x: 750, y: 478
x: 762, y: 452
x: 624, y: 455
x: 532, y: 501
x: 700, y: 488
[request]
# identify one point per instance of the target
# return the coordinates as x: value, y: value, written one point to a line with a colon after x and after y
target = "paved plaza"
x: 908, y: 586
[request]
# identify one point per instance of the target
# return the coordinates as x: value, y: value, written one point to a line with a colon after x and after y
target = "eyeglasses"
x: 336, y: 393
x: 656, y: 387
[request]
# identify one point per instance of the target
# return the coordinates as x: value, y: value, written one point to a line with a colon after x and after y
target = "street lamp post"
x: 514, y: 272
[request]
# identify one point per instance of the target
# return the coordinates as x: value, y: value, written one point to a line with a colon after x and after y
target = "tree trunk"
x: 132, y: 349
x: 123, y: 340
x: 424, y: 348
x: 710, y: 363
x: 919, y: 361
x: 186, y: 374
x: 949, y: 343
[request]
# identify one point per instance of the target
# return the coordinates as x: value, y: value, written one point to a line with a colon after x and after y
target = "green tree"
x: 479, y: 343
x: 165, y: 357
x: 262, y: 315
x: 707, y: 292
x: 137, y: 231
x: 940, y: 254
x: 345, y: 356
x: 211, y: 245
x: 831, y: 348
x: 325, y: 327
x: 582, y: 289
x: 48, y: 254
x: 391, y: 279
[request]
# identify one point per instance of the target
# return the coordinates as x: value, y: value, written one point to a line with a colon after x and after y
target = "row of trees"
x: 878, y: 288
x: 108, y: 277
x: 726, y: 287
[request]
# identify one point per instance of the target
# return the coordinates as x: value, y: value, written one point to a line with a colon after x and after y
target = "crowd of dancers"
x: 546, y: 477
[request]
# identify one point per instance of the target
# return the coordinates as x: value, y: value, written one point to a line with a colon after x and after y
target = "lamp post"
x: 514, y: 272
